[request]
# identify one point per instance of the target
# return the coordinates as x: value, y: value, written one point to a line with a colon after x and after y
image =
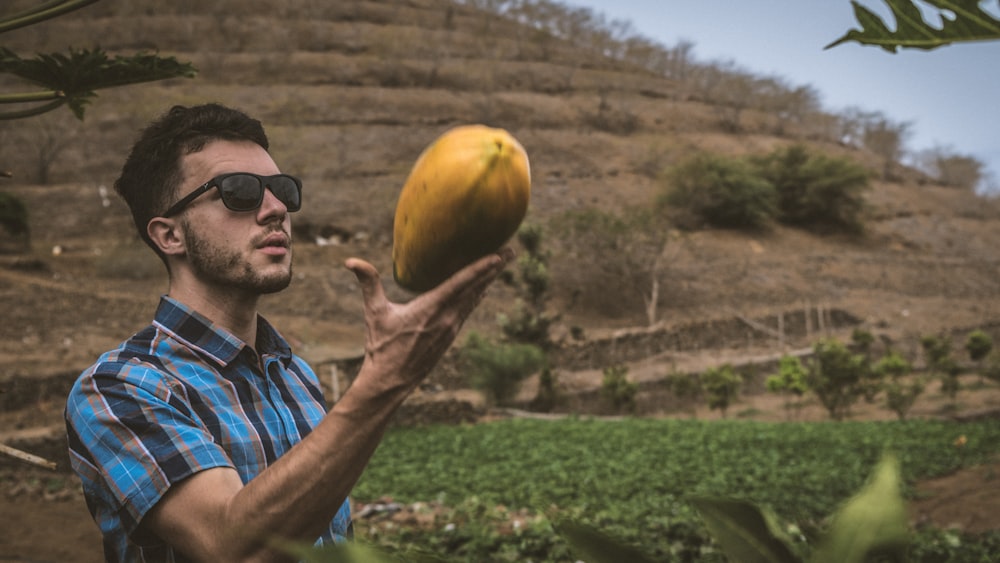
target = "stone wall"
x: 730, y: 333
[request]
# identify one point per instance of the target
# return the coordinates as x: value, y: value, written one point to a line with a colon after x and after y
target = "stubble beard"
x: 229, y: 268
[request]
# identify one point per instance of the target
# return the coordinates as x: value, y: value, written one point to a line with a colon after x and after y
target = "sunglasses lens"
x: 287, y: 190
x: 241, y: 192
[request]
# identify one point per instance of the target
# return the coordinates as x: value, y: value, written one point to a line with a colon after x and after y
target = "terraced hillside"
x: 352, y: 91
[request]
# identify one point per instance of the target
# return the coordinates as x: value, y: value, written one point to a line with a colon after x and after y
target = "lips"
x: 274, y: 240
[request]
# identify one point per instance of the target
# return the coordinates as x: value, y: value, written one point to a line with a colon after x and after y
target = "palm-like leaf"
x: 962, y: 20
x: 73, y: 78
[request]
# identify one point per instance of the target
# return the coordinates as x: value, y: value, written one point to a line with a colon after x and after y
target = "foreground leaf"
x: 745, y: 532
x: 872, y: 522
x: 594, y: 546
x: 73, y: 78
x: 962, y: 20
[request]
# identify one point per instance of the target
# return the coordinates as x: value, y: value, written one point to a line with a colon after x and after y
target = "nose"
x: 270, y: 207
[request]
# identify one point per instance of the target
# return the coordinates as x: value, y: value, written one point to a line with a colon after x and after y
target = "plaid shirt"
x: 179, y: 397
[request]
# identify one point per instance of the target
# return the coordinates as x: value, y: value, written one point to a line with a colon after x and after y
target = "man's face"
x: 249, y: 251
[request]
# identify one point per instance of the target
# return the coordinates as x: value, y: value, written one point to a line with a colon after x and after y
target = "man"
x: 203, y: 437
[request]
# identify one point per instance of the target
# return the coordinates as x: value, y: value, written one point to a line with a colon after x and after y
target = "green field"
x: 631, y: 477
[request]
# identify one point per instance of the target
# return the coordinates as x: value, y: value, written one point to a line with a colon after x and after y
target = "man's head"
x: 152, y: 174
x: 206, y: 195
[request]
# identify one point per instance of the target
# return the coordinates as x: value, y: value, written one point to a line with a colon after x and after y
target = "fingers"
x: 367, y: 276
x: 467, y: 288
x: 480, y: 273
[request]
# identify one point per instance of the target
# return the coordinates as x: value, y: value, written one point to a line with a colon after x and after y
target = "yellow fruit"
x: 465, y: 197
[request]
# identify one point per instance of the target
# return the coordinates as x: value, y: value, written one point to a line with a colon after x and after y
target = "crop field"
x: 508, y: 484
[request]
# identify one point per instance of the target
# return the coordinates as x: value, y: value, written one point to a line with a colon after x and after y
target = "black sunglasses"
x: 243, y: 191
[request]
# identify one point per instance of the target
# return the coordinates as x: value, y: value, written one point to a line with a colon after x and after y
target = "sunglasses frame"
x: 217, y: 183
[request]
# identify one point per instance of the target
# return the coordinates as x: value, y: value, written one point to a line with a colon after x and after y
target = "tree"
x: 978, y: 345
x: 900, y: 395
x: 790, y: 381
x: 937, y: 350
x: 885, y: 138
x: 836, y: 376
x: 630, y: 249
x: 951, y: 169
x: 531, y: 321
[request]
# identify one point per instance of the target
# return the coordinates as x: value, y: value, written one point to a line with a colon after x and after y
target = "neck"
x: 234, y: 310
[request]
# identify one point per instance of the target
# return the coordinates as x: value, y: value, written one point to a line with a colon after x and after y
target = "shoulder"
x: 143, y: 364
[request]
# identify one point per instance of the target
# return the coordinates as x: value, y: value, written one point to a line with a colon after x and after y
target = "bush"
x: 815, y: 191
x: 719, y: 191
x: 837, y: 376
x: 721, y: 386
x: 617, y: 390
x: 978, y: 344
x: 789, y: 381
x: 498, y: 368
x: 899, y: 395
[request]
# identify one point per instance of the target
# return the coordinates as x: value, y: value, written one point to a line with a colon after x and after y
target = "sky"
x: 949, y: 96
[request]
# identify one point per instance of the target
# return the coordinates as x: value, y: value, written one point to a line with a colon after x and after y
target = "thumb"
x: 367, y: 276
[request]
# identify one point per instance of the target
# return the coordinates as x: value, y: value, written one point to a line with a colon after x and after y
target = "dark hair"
x: 152, y: 172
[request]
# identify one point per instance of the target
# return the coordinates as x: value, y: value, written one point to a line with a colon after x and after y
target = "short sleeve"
x: 125, y: 419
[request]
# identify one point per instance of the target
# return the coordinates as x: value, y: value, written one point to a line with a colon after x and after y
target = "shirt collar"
x: 199, y: 333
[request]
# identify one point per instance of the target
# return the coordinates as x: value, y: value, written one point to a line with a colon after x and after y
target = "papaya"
x: 464, y: 198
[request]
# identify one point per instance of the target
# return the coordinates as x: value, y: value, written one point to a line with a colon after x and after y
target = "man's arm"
x: 212, y: 516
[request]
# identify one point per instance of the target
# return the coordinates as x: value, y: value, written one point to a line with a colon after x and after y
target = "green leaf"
x: 962, y: 20
x: 594, y: 546
x: 872, y: 522
x: 745, y: 532
x: 347, y: 552
x: 77, y: 75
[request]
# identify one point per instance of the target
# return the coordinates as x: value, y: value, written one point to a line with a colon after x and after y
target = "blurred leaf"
x: 594, y: 546
x: 41, y: 12
x: 961, y: 20
x: 745, y: 532
x: 346, y: 552
x: 873, y: 522
x: 77, y: 75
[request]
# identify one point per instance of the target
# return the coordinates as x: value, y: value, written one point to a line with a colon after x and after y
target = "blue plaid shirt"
x: 179, y: 397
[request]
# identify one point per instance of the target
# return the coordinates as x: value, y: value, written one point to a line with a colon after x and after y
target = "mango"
x: 465, y: 196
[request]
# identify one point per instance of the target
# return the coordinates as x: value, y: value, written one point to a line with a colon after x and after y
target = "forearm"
x: 299, y: 494
x: 212, y: 516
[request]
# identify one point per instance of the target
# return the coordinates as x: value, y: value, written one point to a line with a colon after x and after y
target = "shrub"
x: 937, y: 350
x: 836, y: 376
x: 498, y: 368
x: 816, y: 191
x: 530, y: 321
x: 899, y: 394
x: 978, y: 344
x: 617, y: 390
x: 548, y: 393
x: 789, y: 381
x: 719, y: 191
x: 721, y: 386
x: 687, y: 388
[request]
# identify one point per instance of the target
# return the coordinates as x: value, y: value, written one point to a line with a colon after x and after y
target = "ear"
x: 167, y: 235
